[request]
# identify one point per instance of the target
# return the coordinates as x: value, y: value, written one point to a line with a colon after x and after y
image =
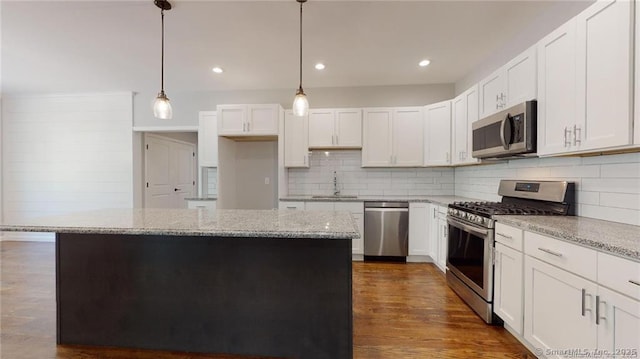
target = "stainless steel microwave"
x: 508, y: 133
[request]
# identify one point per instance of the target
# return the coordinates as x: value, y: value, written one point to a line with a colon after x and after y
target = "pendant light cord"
x: 162, y: 55
x: 300, y: 87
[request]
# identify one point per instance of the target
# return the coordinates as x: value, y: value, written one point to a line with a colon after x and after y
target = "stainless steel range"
x: 470, y: 255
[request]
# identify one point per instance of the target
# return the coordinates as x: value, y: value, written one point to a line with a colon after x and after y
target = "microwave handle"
x: 503, y: 126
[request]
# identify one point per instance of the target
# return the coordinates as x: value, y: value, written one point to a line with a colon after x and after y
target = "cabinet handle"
x: 634, y: 282
x: 507, y: 237
x: 244, y: 127
x: 577, y: 136
x: 553, y: 253
x: 304, y: 159
x: 248, y: 126
x: 337, y: 141
x: 291, y: 207
x: 598, y: 302
x: 567, y: 141
x: 583, y: 309
x: 434, y: 213
x: 448, y: 157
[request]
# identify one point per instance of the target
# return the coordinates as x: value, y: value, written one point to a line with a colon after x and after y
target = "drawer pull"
x: 291, y: 207
x: 634, y: 282
x: 557, y: 254
x: 505, y: 236
x: 598, y: 302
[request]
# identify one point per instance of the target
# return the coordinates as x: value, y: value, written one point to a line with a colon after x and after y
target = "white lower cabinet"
x: 572, y: 311
x: 507, y: 286
x: 438, y: 233
x: 291, y: 205
x: 418, y: 229
x: 203, y: 204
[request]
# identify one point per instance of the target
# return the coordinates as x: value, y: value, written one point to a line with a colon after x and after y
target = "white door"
x: 556, y: 89
x: 438, y: 134
x: 376, y: 137
x: 348, y: 127
x: 492, y: 94
x: 507, y: 286
x: 619, y: 323
x: 170, y: 169
x: 232, y: 119
x: 520, y: 78
x: 559, y: 308
x: 263, y: 119
x: 321, y: 133
x: 296, y: 149
x: 604, y: 68
x: 408, y: 136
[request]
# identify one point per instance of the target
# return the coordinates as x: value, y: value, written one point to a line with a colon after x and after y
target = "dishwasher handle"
x: 386, y: 209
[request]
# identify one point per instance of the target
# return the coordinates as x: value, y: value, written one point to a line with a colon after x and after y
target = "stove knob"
x: 472, y: 217
x: 480, y: 219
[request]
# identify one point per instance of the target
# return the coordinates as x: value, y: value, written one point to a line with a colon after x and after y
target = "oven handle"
x: 465, y: 227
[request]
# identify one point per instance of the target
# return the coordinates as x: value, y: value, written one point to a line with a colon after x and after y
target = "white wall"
x: 256, y: 161
x: 355, y: 180
x: 66, y: 153
x: 608, y: 187
x: 187, y: 105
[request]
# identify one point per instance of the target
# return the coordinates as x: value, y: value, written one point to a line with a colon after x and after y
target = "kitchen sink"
x: 334, y: 196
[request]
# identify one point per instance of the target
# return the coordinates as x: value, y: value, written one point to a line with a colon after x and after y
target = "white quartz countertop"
x: 198, y: 222
x: 442, y: 200
x: 615, y: 238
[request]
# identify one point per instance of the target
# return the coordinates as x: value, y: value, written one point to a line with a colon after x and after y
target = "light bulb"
x: 300, y: 104
x: 162, y: 107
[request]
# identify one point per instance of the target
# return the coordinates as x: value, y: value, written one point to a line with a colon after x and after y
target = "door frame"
x: 194, y: 160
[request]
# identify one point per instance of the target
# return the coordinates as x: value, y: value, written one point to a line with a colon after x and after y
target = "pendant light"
x: 162, y: 106
x: 300, y: 102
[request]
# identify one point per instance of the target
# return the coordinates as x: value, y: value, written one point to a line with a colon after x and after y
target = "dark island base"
x: 286, y: 298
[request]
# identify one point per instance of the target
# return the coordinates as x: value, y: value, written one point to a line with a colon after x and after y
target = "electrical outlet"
x: 267, y: 180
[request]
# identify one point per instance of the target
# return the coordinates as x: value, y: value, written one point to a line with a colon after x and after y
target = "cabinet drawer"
x: 291, y: 205
x: 353, y: 207
x: 619, y: 274
x: 573, y: 258
x: 509, y: 236
x: 210, y: 205
x: 318, y: 206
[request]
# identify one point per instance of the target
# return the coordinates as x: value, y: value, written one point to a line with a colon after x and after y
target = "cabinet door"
x: 443, y: 235
x: 263, y: 119
x: 520, y: 78
x: 605, y: 63
x: 208, y: 205
x: 318, y: 206
x: 408, y: 140
x: 636, y: 126
x: 321, y: 128
x: 556, y: 89
x: 472, y: 116
x: 348, y: 128
x: 619, y: 324
x: 291, y: 205
x: 437, y: 134
x: 507, y: 286
x: 232, y: 119
x: 432, y: 227
x: 459, y: 120
x: 492, y: 94
x: 357, y: 244
x: 207, y: 139
x: 376, y: 138
x: 296, y: 150
x: 418, y: 229
x: 559, y: 308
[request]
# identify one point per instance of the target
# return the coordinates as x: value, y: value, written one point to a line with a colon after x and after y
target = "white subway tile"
x: 584, y: 197
x: 607, y: 159
x: 621, y: 215
x: 617, y: 185
x: 620, y: 200
x: 621, y: 170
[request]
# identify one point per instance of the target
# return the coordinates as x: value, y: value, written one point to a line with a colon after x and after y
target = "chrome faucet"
x: 336, y: 190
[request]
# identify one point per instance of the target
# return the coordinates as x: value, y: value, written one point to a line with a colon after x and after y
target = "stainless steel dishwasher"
x: 386, y: 230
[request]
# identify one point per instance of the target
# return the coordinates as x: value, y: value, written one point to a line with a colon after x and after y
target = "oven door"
x: 470, y: 256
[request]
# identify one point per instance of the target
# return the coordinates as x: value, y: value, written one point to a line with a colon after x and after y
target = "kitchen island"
x: 268, y: 283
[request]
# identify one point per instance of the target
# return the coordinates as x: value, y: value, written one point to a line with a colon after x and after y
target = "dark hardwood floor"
x: 400, y: 311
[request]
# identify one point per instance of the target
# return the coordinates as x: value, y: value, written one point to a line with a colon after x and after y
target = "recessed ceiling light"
x: 424, y: 63
x: 319, y: 66
x: 218, y: 70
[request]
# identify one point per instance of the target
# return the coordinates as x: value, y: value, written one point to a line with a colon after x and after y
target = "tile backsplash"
x: 607, y: 187
x: 211, y: 189
x: 352, y: 179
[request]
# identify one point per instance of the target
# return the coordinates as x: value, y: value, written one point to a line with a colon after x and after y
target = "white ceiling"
x: 90, y: 46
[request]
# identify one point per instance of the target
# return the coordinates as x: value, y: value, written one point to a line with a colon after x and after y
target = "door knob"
x: 176, y: 189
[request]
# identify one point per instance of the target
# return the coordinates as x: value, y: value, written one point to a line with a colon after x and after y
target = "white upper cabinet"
x: 207, y: 139
x: 392, y: 137
x: 513, y: 83
x: 331, y: 128
x: 464, y: 111
x: 296, y: 149
x: 636, y: 126
x: 437, y: 134
x: 585, y: 81
x: 604, y: 86
x: 248, y: 120
x: 556, y: 88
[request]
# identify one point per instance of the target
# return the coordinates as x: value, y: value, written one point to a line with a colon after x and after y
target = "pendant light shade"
x: 300, y: 102
x: 161, y: 106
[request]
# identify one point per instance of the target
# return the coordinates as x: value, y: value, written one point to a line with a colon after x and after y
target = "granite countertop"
x: 442, y: 200
x: 198, y: 222
x: 615, y: 238
x: 201, y: 199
